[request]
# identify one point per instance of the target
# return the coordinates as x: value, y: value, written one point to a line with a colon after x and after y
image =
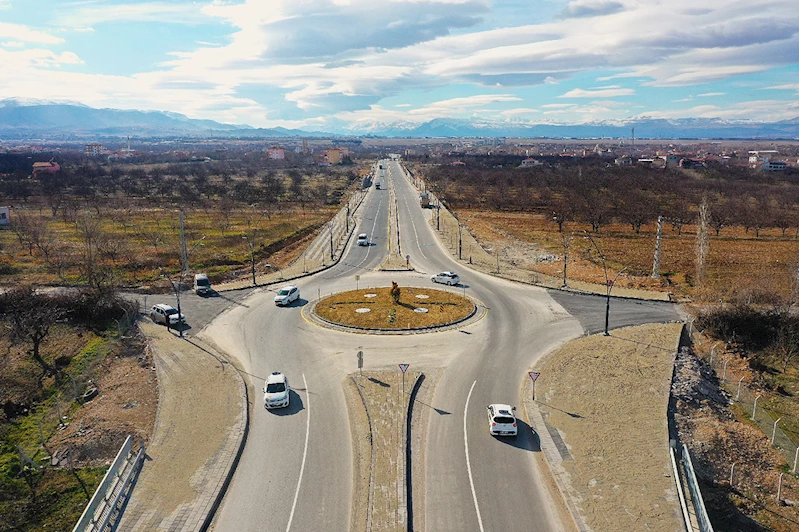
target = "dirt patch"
x: 605, y: 398
x: 126, y: 404
x: 374, y: 308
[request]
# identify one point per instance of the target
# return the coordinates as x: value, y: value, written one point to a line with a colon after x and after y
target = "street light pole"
x: 608, y: 282
x: 252, y: 257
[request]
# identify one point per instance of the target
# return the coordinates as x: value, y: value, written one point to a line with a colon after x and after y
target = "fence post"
x: 774, y: 432
x: 754, y: 409
x: 724, y: 375
x: 795, y: 457
x: 738, y: 395
x: 779, y: 488
x: 732, y: 471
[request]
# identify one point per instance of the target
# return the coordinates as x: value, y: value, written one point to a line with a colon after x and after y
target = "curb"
x: 408, y: 464
x: 239, y: 451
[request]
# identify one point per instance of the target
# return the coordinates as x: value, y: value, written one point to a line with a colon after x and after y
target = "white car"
x: 165, y: 314
x: 276, y: 391
x: 502, y: 420
x: 363, y: 239
x: 448, y: 278
x: 287, y: 295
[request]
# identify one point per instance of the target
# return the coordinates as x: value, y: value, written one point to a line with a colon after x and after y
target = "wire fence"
x: 752, y: 475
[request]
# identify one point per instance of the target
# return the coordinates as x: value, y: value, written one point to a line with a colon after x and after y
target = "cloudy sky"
x: 324, y: 64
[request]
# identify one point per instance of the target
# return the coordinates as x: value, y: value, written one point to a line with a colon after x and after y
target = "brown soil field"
x: 739, y: 264
x: 442, y: 308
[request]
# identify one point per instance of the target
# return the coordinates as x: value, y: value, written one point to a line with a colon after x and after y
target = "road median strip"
x: 381, y: 503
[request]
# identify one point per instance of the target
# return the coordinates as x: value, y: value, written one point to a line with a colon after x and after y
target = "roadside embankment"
x: 600, y: 410
x: 199, y: 429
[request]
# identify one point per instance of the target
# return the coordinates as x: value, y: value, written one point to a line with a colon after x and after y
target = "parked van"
x: 201, y: 284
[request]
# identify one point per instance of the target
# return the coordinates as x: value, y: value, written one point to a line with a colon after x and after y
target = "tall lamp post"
x: 252, y: 257
x: 177, y: 287
x: 608, y: 282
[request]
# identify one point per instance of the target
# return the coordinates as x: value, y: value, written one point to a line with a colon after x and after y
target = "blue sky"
x: 333, y: 64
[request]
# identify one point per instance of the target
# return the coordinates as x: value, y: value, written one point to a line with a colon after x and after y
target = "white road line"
x: 368, y: 244
x: 305, y: 452
x: 415, y: 233
x: 468, y: 463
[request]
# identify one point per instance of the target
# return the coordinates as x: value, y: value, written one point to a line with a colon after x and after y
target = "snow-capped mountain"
x: 28, y: 117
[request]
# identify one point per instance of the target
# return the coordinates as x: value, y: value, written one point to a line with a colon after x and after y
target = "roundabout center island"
x: 395, y: 308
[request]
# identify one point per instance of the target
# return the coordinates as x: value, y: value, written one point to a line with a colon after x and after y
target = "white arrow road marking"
x: 468, y: 463
x: 305, y: 452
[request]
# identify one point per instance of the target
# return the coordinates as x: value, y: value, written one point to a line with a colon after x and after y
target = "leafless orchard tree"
x: 702, y: 241
x: 29, y: 317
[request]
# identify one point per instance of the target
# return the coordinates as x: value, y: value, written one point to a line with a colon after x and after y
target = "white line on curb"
x: 304, y: 452
x: 468, y: 463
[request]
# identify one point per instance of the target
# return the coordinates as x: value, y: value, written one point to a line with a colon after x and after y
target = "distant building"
x: 458, y: 163
x: 5, y: 215
x: 332, y: 156
x: 530, y: 163
x: 624, y: 161
x: 774, y: 166
x: 94, y: 149
x: 276, y: 152
x: 50, y: 167
x: 672, y: 159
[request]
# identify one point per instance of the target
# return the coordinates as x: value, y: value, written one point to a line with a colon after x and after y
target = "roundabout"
x: 394, y: 310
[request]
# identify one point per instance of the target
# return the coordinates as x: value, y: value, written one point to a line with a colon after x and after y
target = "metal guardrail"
x: 103, y: 508
x: 696, y: 494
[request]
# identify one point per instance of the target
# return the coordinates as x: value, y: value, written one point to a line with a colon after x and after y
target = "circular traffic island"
x: 377, y: 309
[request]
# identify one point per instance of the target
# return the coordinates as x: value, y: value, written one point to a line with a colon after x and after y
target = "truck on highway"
x: 424, y: 200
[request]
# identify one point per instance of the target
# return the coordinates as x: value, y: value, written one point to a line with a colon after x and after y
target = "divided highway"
x: 296, y: 469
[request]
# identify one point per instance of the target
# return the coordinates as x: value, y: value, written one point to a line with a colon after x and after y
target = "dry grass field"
x: 374, y: 308
x: 135, y: 246
x: 740, y: 266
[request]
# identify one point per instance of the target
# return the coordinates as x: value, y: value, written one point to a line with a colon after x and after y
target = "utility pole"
x: 656, y: 263
x: 330, y: 227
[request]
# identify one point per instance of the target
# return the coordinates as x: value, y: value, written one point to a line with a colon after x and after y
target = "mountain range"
x: 20, y: 118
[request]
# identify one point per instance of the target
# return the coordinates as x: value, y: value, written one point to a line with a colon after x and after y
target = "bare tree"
x: 786, y: 346
x: 29, y: 317
x: 702, y: 240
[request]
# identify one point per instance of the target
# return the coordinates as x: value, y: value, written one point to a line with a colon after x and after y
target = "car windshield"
x: 203, y: 282
x: 284, y: 292
x: 170, y: 311
x: 503, y: 419
x: 276, y: 387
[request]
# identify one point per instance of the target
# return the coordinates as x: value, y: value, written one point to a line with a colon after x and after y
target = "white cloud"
x: 94, y: 13
x: 12, y: 44
x: 23, y: 33
x: 710, y: 94
x: 788, y: 86
x: 598, y: 93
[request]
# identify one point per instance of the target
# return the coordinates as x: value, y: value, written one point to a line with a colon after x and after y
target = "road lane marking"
x: 468, y: 462
x: 304, y: 452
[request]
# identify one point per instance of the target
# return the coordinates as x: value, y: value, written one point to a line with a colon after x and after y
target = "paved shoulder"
x: 198, y: 431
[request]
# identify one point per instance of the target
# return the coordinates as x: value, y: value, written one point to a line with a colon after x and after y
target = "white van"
x: 202, y: 286
x: 363, y: 239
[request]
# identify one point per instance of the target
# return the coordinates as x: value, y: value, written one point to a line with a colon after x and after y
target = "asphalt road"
x: 296, y: 469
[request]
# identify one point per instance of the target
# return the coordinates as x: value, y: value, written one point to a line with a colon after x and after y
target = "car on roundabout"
x: 502, y: 420
x: 276, y: 391
x: 447, y: 278
x: 287, y: 295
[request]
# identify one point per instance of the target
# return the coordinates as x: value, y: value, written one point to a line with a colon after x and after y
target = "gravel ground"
x: 604, y: 400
